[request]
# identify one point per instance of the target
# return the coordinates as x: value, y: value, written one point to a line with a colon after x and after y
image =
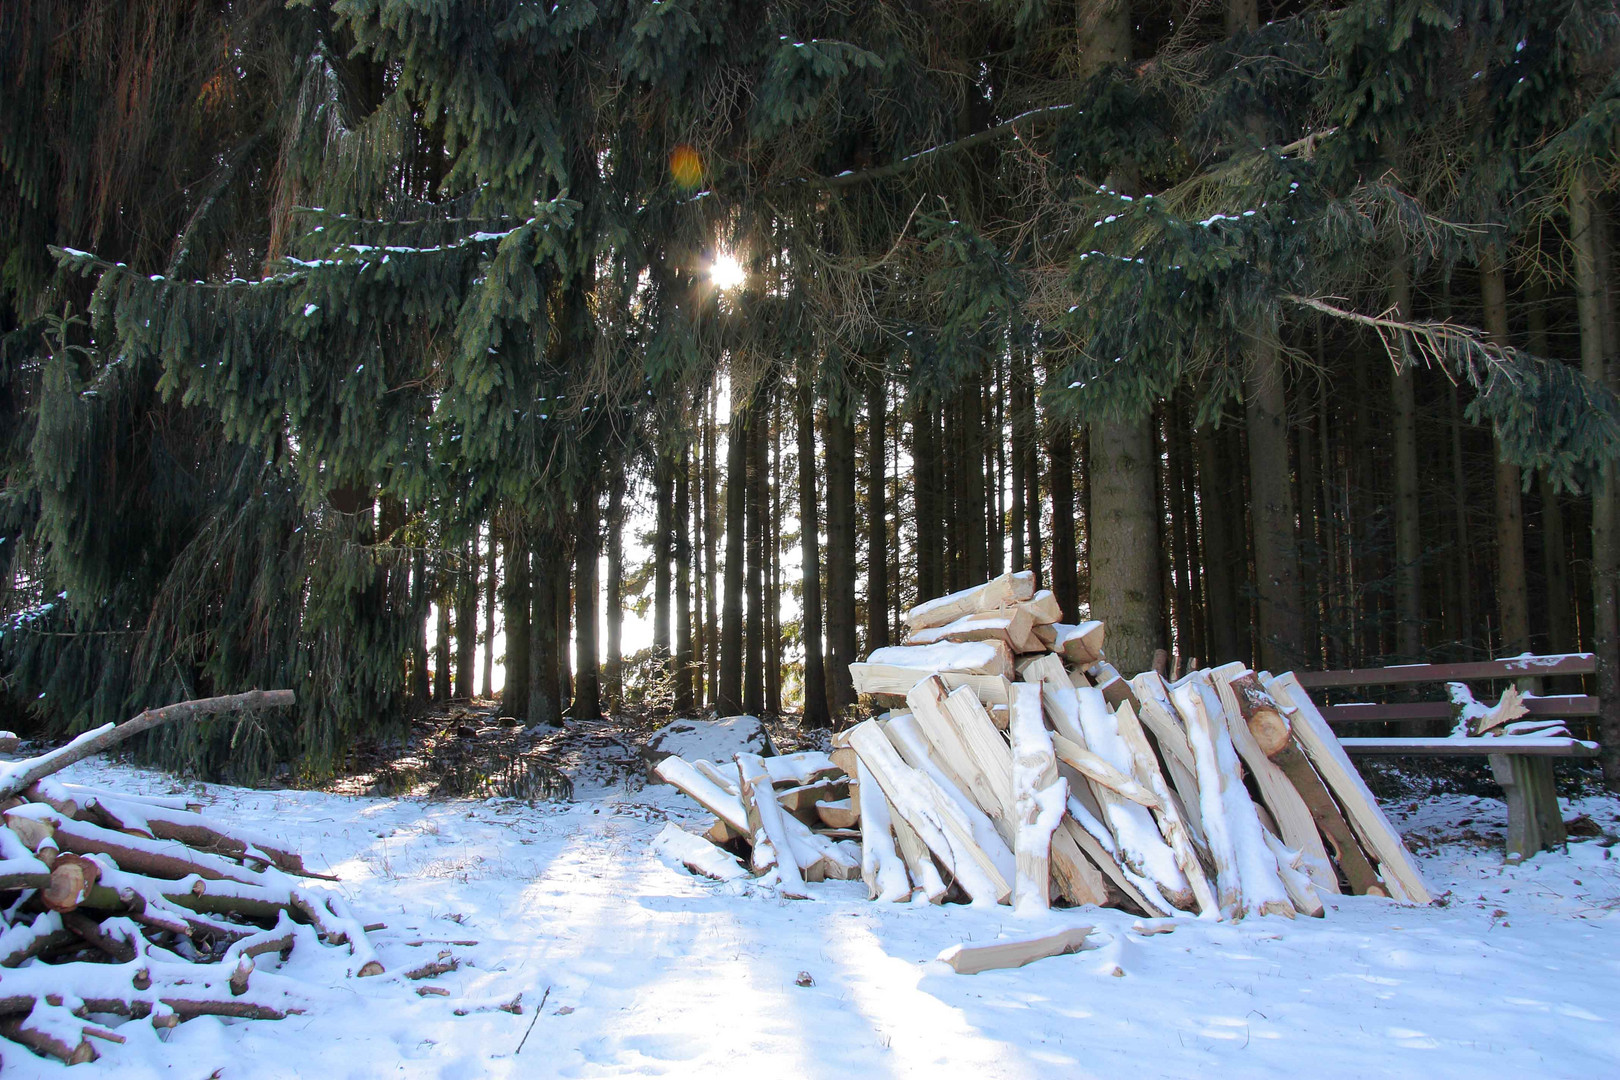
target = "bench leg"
x: 1534, y: 822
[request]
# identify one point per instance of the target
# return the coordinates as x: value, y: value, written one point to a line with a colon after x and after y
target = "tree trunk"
x: 1276, y: 552
x: 1512, y: 590
x: 976, y: 545
x: 925, y: 455
x: 587, y: 549
x: 467, y: 621
x: 1180, y: 561
x: 839, y: 439
x: 515, y: 596
x: 683, y: 584
x: 444, y: 592
x: 1217, y: 508
x: 545, y: 698
x: 1408, y: 508
x: 1561, y: 623
x: 754, y: 624
x: 815, y: 673
x: 491, y: 576
x: 1065, y: 550
x: 1310, y: 524
x: 729, y: 697
x: 773, y: 562
x: 711, y: 562
x: 613, y: 669
x: 995, y: 454
x: 877, y: 524
x: 421, y: 679
x: 1022, y: 408
x: 1124, y: 541
x: 663, y: 533
x: 1586, y: 224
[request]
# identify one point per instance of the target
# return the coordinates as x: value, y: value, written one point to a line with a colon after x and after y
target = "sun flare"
x: 726, y: 272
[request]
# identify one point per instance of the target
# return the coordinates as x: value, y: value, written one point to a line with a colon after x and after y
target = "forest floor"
x: 640, y: 968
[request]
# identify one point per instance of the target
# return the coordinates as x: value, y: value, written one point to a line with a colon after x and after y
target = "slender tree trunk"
x: 1065, y: 550
x: 1512, y: 590
x: 1022, y: 407
x: 711, y: 562
x: 997, y: 470
x: 1032, y: 493
x: 663, y: 535
x: 562, y: 599
x: 587, y: 550
x: 877, y: 525
x: 1180, y: 560
x: 1216, y: 507
x: 444, y: 602
x: 1124, y: 524
x: 976, y: 565
x: 545, y: 699
x: 1561, y: 633
x: 754, y: 625
x: 839, y: 439
x: 773, y: 560
x: 613, y: 669
x: 815, y: 673
x: 925, y: 455
x: 701, y: 673
x: 515, y: 595
x: 491, y: 576
x: 1587, y: 222
x: 1310, y: 522
x: 1462, y: 563
x: 1408, y: 507
x: 467, y: 621
x: 683, y: 584
x: 1276, y: 552
x: 729, y: 698
x: 421, y: 679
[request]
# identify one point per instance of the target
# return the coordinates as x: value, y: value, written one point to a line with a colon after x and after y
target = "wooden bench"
x: 1521, y: 764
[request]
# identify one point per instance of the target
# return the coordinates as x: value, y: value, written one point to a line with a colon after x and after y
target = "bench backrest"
x: 1519, y: 667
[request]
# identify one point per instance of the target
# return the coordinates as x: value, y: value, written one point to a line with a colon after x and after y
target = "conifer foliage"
x: 317, y: 318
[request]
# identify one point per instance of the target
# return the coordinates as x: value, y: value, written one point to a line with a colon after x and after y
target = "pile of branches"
x: 127, y: 906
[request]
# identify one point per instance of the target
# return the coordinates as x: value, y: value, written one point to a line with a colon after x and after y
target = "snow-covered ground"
x: 645, y: 969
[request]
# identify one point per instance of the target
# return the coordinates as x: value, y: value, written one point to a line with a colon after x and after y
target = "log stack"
x: 1011, y: 763
x: 141, y: 907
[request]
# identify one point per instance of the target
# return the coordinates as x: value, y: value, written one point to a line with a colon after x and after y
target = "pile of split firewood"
x: 1017, y: 766
x: 121, y: 905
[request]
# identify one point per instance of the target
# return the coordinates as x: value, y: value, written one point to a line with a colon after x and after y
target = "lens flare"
x: 726, y: 272
x: 685, y: 166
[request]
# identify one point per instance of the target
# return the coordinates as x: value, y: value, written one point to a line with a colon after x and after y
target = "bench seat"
x: 1537, y: 745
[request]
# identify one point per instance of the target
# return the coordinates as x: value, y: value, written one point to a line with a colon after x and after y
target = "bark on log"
x: 94, y: 742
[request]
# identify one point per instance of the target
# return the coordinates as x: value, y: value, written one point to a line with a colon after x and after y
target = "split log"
x: 708, y: 794
x: 1080, y: 715
x: 907, y: 736
x: 1245, y: 870
x: 717, y: 775
x: 1039, y: 796
x: 1362, y: 810
x: 1158, y: 716
x: 772, y: 846
x: 1081, y: 644
x: 1100, y: 772
x: 888, y: 684
x: 840, y: 813
x: 967, y: 657
x: 1004, y: 591
x: 932, y: 813
x: 1011, y: 627
x: 882, y: 868
x: 1015, y: 952
x: 1301, y: 889
x: 20, y: 775
x: 1169, y: 813
x: 1295, y: 824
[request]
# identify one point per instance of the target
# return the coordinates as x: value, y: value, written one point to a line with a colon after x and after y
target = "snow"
x: 652, y: 970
